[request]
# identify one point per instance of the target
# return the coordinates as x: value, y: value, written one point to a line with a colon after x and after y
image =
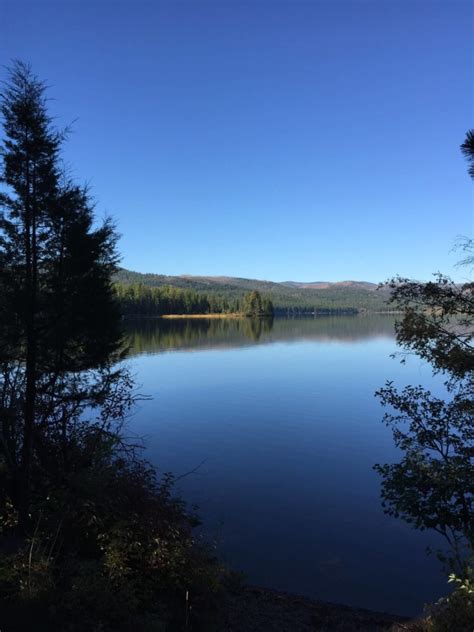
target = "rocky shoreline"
x: 254, y: 609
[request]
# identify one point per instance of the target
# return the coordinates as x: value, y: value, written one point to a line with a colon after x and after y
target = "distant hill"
x: 325, y: 285
x: 288, y: 296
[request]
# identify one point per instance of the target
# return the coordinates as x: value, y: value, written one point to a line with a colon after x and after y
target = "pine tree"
x: 58, y: 309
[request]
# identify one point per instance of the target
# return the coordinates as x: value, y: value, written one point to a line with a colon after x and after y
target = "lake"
x: 278, y: 424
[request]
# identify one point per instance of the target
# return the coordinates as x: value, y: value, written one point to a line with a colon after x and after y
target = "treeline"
x: 137, y: 299
x: 286, y: 299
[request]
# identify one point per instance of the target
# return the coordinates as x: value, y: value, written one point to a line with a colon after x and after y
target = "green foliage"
x: 141, y: 300
x: 454, y: 613
x: 287, y: 298
x: 254, y: 305
x: 110, y: 543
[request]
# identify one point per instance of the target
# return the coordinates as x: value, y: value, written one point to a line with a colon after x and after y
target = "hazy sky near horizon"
x: 279, y: 140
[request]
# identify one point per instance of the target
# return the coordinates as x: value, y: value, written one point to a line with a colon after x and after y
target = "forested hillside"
x: 225, y: 294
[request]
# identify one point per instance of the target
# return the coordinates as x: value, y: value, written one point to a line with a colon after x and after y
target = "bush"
x: 111, y: 548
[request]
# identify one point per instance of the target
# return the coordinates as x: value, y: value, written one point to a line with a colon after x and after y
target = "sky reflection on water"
x: 283, y: 420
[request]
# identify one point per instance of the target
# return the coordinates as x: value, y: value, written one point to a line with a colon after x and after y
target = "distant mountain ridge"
x: 324, y: 285
x: 287, y: 296
x: 184, y: 280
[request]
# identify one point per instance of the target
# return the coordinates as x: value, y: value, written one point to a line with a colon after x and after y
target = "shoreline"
x: 236, y: 315
x: 257, y: 609
x: 230, y: 315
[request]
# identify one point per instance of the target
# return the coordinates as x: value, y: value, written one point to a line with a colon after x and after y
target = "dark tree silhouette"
x: 433, y: 485
x: 59, y: 313
x: 90, y: 538
x: 467, y: 149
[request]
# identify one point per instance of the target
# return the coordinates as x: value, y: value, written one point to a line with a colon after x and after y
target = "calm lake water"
x: 282, y: 425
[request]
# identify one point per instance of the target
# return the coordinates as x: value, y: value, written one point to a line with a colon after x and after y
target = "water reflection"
x: 283, y: 417
x: 158, y: 335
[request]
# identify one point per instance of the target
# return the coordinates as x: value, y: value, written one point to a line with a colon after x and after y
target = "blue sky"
x: 277, y: 140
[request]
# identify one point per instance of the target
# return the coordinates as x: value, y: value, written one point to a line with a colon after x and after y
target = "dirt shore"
x: 252, y: 609
x: 172, y: 316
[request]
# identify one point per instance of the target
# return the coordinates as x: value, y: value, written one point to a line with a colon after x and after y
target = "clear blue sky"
x: 277, y: 140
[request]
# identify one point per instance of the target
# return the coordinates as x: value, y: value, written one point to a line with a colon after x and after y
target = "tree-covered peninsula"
x: 139, y: 300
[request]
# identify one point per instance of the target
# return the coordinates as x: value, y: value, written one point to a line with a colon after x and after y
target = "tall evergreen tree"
x: 98, y: 540
x: 58, y: 308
